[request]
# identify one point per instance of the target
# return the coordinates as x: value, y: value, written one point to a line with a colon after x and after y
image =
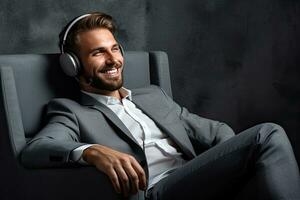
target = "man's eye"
x: 98, y: 53
x: 115, y: 49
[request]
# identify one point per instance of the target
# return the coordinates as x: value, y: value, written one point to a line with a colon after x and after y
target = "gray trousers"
x: 258, y: 163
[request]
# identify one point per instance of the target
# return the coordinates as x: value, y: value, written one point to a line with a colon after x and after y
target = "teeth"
x: 112, y: 71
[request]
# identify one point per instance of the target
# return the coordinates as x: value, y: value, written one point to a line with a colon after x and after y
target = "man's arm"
x: 52, y: 146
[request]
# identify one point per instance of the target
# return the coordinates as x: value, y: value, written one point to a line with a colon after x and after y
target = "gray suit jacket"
x: 72, y: 124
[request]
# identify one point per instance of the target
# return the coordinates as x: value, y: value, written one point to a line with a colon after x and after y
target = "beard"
x: 101, y: 84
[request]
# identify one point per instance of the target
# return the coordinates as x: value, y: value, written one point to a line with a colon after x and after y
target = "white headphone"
x: 69, y: 62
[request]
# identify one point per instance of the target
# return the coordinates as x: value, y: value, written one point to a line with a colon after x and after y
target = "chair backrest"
x: 29, y: 81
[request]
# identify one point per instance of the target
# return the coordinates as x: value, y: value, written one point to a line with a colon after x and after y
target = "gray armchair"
x: 27, y: 83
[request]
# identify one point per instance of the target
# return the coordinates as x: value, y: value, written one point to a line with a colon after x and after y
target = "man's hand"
x: 124, y: 171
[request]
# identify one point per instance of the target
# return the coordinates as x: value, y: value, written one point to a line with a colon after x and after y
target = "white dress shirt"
x: 162, y: 157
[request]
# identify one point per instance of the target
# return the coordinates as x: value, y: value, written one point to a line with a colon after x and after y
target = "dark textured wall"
x: 234, y: 61
x: 33, y: 26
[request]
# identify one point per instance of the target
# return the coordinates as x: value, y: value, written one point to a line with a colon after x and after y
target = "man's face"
x: 101, y: 58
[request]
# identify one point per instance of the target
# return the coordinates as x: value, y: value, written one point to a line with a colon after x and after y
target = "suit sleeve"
x: 203, y: 133
x: 52, y: 146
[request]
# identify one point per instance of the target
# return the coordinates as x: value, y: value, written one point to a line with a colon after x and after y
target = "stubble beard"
x: 112, y: 85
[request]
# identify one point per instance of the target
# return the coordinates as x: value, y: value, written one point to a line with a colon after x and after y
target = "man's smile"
x: 111, y: 72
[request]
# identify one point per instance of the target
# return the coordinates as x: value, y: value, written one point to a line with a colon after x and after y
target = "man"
x: 143, y: 140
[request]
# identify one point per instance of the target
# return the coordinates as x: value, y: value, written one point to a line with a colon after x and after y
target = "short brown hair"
x: 90, y: 22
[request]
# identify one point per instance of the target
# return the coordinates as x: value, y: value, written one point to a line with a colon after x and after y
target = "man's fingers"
x: 134, y: 178
x: 140, y: 173
x: 124, y: 171
x: 123, y: 178
x: 114, y: 179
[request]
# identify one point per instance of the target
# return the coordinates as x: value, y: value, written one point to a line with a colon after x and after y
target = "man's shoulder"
x: 151, y: 89
x: 64, y: 101
x: 151, y: 95
x: 63, y: 104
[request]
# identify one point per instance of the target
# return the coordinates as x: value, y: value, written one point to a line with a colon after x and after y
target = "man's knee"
x: 273, y: 135
x: 268, y: 130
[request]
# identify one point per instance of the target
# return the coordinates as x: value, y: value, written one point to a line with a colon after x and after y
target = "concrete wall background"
x: 234, y: 61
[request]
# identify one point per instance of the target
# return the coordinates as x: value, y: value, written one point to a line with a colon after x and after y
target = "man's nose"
x: 110, y: 58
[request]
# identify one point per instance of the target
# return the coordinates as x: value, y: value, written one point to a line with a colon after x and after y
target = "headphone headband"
x: 69, y: 28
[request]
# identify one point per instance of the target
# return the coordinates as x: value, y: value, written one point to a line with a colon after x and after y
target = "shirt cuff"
x: 76, y: 154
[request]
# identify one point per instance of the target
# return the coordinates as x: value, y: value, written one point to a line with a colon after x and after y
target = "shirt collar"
x: 109, y: 100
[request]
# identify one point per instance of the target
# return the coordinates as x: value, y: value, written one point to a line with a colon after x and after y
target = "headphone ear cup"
x: 69, y: 63
x: 121, y: 49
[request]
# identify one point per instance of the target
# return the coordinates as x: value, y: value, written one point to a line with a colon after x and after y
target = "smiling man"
x: 143, y: 141
x: 103, y: 71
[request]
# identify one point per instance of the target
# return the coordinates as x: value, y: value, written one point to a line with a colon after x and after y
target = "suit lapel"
x: 162, y: 120
x: 92, y: 103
